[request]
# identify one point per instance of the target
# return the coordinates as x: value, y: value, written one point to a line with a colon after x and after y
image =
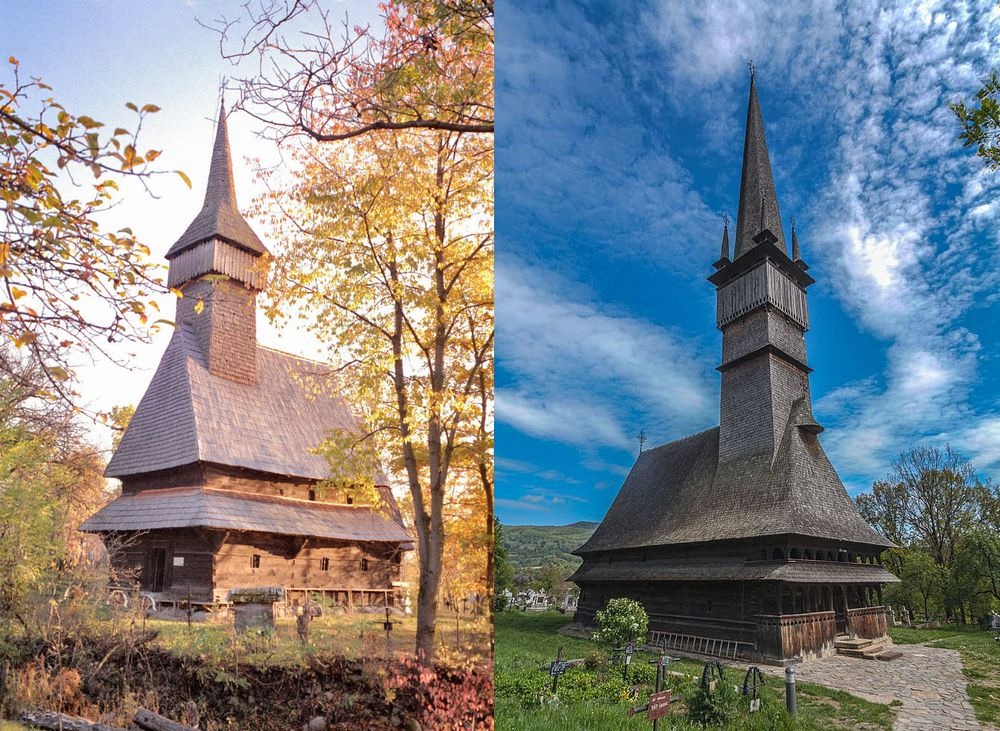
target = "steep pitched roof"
x: 219, y: 216
x: 189, y: 415
x: 202, y: 507
x: 679, y: 493
x: 758, y: 201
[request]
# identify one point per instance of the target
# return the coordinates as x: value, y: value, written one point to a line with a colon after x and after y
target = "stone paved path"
x: 928, y: 681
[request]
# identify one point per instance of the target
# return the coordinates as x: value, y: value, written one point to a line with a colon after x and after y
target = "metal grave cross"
x: 752, y: 682
x: 624, y: 656
x: 711, y: 675
x: 559, y: 666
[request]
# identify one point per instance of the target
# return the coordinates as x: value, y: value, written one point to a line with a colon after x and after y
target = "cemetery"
x: 945, y: 678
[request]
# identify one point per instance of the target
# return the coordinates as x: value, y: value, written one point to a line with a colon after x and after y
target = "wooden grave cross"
x: 659, y: 702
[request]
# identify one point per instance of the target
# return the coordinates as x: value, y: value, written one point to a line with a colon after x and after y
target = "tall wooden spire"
x: 758, y: 201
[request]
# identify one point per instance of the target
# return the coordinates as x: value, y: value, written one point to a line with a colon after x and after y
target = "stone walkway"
x: 928, y: 681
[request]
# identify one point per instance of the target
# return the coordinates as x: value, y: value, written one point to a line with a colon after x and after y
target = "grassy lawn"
x: 349, y: 635
x: 595, y: 696
x: 980, y: 661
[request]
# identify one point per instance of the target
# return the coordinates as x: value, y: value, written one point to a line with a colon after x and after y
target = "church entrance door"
x: 840, y: 609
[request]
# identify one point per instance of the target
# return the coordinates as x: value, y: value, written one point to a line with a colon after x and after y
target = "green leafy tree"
x: 922, y: 579
x: 981, y: 121
x: 620, y: 622
x: 503, y: 572
x: 50, y: 480
x: 65, y: 283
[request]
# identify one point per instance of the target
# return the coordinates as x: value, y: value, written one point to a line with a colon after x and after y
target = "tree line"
x: 945, y: 523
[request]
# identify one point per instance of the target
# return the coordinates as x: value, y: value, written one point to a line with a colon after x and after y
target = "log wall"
x: 796, y: 636
x: 867, y: 622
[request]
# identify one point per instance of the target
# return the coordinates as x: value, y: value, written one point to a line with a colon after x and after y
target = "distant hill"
x: 531, y: 546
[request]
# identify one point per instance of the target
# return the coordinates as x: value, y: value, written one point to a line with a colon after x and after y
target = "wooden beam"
x: 150, y: 721
x: 61, y: 722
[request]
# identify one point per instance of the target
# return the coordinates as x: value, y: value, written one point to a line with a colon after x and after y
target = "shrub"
x: 620, y: 622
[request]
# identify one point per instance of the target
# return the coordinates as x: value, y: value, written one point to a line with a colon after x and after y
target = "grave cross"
x: 387, y: 626
x: 711, y: 675
x: 752, y: 681
x: 559, y: 666
x: 624, y: 655
x: 659, y: 702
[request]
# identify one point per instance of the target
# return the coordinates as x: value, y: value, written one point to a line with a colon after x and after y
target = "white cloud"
x: 588, y: 376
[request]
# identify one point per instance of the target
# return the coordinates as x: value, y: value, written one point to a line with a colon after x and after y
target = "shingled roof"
x: 679, y: 493
x: 794, y: 571
x: 219, y: 217
x: 202, y: 507
x: 189, y: 415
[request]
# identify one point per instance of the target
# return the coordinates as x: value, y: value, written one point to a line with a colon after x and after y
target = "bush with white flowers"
x: 620, y: 622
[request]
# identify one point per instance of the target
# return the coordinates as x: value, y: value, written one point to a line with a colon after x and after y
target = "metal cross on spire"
x: 641, y: 437
x: 752, y: 69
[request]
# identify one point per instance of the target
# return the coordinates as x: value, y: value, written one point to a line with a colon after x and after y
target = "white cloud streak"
x: 589, y: 376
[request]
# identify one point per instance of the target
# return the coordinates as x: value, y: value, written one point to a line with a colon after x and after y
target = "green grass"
x: 11, y: 726
x: 339, y: 634
x: 595, y: 697
x: 980, y: 654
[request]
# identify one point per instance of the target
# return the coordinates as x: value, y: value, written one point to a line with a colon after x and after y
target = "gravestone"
x: 253, y: 608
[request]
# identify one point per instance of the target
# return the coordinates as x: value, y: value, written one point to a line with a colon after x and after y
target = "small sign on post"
x: 659, y: 705
x: 659, y: 702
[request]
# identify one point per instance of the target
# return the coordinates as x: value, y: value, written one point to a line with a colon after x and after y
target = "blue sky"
x: 619, y: 142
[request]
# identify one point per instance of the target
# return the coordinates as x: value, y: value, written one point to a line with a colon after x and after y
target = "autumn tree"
x: 428, y: 66
x: 503, y: 572
x: 66, y: 284
x: 389, y: 261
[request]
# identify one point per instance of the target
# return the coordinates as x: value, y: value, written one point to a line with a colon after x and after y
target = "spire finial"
x: 752, y: 69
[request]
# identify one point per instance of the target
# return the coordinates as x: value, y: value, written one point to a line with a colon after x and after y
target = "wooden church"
x: 219, y: 480
x: 741, y: 540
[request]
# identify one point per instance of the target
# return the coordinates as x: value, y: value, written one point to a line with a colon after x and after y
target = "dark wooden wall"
x: 216, y: 561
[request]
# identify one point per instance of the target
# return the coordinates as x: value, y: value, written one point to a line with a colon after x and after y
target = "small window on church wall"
x: 364, y: 564
x: 762, y: 554
x: 324, y: 564
x: 350, y: 500
x: 398, y: 558
x: 709, y: 608
x: 312, y: 494
x: 255, y: 561
x: 794, y: 553
x: 778, y: 554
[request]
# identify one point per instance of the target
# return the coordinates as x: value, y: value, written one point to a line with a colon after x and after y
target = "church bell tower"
x: 219, y: 265
x: 761, y: 311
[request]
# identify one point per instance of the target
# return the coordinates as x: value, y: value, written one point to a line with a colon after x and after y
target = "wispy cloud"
x: 586, y: 375
x: 899, y: 227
